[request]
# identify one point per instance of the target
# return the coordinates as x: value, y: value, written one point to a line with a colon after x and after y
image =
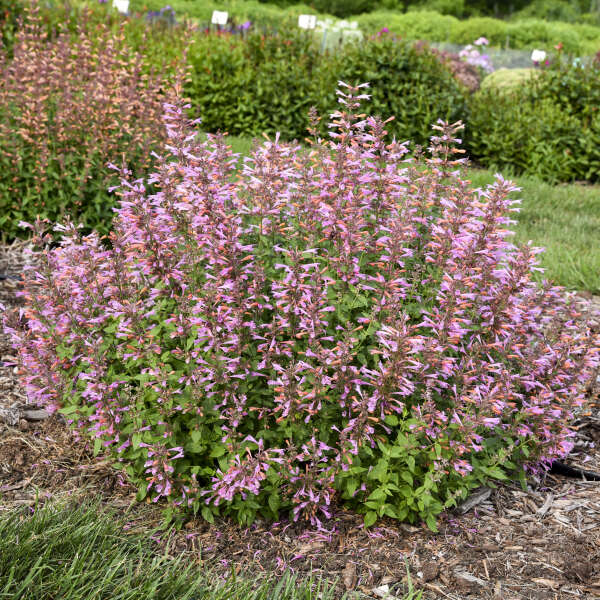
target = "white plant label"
x: 307, y: 21
x: 219, y: 17
x: 538, y: 56
x: 121, y: 5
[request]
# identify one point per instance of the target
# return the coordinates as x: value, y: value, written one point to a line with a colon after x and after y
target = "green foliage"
x: 456, y: 8
x: 503, y: 80
x: 261, y: 84
x: 549, y: 126
x: 342, y: 8
x: 409, y: 83
x: 10, y: 11
x: 415, y: 25
x: 269, y: 84
x: 551, y: 10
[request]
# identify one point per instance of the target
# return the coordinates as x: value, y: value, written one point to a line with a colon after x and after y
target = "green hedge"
x: 548, y: 126
x: 421, y: 22
x: 268, y: 84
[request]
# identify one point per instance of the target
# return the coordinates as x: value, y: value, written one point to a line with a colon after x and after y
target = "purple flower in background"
x: 481, y: 41
x: 245, y: 26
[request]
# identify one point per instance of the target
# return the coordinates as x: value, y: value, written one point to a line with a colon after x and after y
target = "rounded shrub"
x: 409, y: 81
x: 503, y: 80
x: 547, y: 126
x: 467, y: 31
x: 336, y: 325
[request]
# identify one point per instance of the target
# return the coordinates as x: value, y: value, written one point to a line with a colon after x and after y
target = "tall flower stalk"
x: 343, y: 323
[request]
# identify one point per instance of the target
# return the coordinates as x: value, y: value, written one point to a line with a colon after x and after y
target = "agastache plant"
x: 344, y: 323
x: 69, y: 103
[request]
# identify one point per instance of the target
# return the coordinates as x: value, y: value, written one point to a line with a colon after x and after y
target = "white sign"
x: 121, y: 5
x: 307, y: 21
x: 219, y: 17
x: 538, y: 56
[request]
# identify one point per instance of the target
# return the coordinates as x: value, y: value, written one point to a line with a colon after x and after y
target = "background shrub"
x: 338, y: 325
x: 259, y: 84
x: 69, y: 104
x: 411, y: 83
x: 547, y: 126
x: 269, y: 83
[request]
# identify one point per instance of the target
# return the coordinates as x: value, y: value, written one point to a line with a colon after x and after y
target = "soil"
x: 538, y: 544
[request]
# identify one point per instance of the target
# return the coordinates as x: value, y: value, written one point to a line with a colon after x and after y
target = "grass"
x: 82, y: 553
x: 563, y: 219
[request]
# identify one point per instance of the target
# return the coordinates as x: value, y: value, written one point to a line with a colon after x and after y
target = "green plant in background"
x: 269, y: 84
x: 408, y: 82
x: 259, y: 84
x: 548, y: 126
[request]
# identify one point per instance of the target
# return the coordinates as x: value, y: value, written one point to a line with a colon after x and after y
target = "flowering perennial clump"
x: 343, y: 324
x: 69, y: 103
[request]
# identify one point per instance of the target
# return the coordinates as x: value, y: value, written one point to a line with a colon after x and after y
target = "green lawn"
x: 563, y: 219
x: 67, y: 553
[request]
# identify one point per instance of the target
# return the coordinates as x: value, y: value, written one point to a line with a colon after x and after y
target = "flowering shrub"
x: 343, y: 324
x: 68, y: 104
x: 472, y: 55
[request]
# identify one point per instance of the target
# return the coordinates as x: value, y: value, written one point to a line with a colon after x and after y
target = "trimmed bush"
x: 334, y: 326
x: 69, y: 104
x: 259, y: 84
x: 548, y: 126
x: 269, y: 83
x: 508, y: 79
x: 417, y: 25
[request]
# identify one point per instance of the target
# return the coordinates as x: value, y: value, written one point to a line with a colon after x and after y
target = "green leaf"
x: 431, y: 522
x: 207, y: 514
x: 496, y: 473
x: 370, y: 518
x: 217, y: 451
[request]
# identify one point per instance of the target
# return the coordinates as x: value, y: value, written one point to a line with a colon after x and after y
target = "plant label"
x: 219, y: 17
x: 307, y: 21
x: 121, y: 5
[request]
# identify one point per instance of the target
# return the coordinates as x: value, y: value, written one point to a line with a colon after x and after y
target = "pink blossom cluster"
x: 264, y: 330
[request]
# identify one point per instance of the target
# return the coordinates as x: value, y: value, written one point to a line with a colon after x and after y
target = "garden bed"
x: 535, y: 544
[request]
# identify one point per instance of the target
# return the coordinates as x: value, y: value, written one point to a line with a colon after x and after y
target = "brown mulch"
x: 543, y: 543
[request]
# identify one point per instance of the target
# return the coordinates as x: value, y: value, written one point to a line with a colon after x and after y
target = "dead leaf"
x: 15, y: 486
x: 546, y: 582
x: 349, y: 576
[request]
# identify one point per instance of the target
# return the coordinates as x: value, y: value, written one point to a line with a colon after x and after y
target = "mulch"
x: 541, y: 543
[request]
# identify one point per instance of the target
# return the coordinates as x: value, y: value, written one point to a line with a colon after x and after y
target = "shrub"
x: 550, y: 10
x: 67, y: 106
x: 339, y: 325
x: 342, y: 8
x: 494, y: 30
x: 508, y: 79
x: 261, y: 83
x: 269, y: 83
x: 547, y: 126
x: 409, y: 82
x: 417, y: 25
